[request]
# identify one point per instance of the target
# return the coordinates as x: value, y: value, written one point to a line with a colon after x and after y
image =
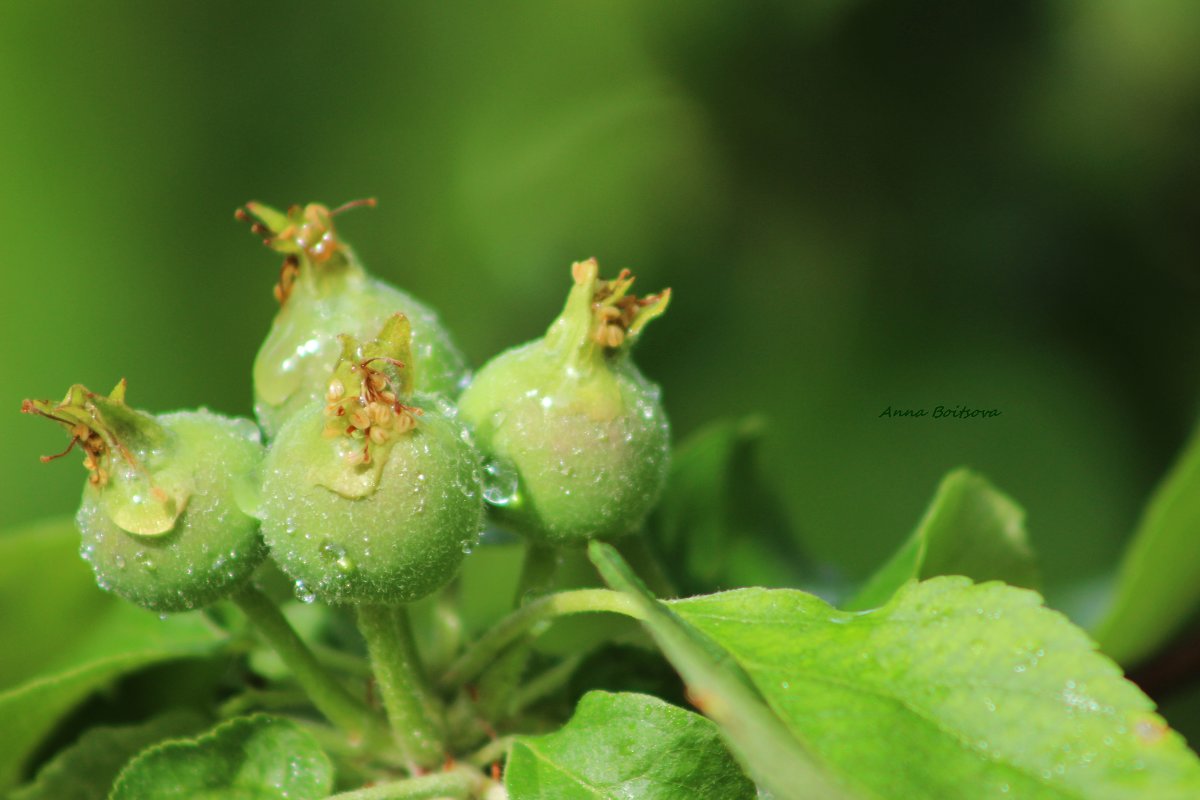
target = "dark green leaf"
x: 719, y: 522
x: 1158, y: 584
x: 30, y: 711
x: 626, y: 746
x: 257, y: 757
x: 969, y: 529
x: 86, y: 769
x: 952, y: 690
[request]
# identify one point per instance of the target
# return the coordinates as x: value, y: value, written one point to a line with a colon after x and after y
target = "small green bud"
x: 369, y: 495
x: 323, y: 291
x: 573, y: 417
x: 164, y: 515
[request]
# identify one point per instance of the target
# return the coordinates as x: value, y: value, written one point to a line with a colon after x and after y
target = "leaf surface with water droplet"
x: 951, y: 690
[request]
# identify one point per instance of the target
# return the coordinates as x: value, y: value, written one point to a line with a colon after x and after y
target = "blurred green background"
x: 858, y: 204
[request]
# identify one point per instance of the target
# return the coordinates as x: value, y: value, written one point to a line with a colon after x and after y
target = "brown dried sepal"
x: 79, y: 413
x: 303, y: 232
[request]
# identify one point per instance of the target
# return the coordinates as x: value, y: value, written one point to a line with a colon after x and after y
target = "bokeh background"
x: 859, y: 204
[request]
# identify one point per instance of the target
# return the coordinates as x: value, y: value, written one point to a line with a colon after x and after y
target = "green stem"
x: 329, y: 696
x: 457, y: 783
x: 410, y: 706
x: 260, y: 699
x: 516, y: 624
x: 542, y: 685
x: 537, y: 572
x: 491, y: 752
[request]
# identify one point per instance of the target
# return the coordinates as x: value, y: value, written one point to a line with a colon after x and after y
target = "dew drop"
x: 119, y: 560
x: 337, y: 554
x: 303, y: 593
x: 499, y: 483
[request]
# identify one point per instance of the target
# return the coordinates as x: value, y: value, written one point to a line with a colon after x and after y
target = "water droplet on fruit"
x: 337, y: 554
x: 303, y: 593
x: 499, y: 483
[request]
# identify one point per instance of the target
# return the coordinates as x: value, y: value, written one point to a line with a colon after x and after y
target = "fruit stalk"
x: 329, y: 696
x: 410, y: 704
x: 515, y: 625
x: 537, y: 572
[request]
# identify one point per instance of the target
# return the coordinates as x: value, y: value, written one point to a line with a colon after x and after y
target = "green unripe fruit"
x: 163, y: 518
x: 368, y: 498
x: 573, y: 421
x: 323, y: 292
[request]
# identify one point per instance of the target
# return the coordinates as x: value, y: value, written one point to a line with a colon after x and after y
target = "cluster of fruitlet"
x: 382, y: 455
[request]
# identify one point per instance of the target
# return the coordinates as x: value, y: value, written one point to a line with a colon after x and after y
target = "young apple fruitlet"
x: 324, y: 291
x: 573, y: 417
x: 371, y: 494
x: 164, y: 515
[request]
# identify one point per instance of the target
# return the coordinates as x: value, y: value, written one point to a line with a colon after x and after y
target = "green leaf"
x: 86, y: 769
x: 719, y: 522
x: 257, y: 757
x: 969, y: 529
x: 1158, y: 582
x: 60, y: 619
x: 31, y: 710
x: 65, y: 638
x: 776, y: 758
x: 952, y: 690
x: 50, y: 597
x: 627, y: 746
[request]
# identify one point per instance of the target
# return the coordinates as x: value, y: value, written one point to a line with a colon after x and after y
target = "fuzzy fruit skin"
x: 301, y: 349
x: 214, y: 545
x: 590, y: 447
x: 399, y: 542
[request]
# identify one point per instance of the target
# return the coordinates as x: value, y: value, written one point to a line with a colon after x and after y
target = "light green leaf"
x: 250, y: 758
x: 49, y: 597
x: 1158, y: 582
x: 626, y: 746
x: 776, y: 758
x: 952, y: 690
x: 719, y: 523
x: 969, y: 529
x: 57, y: 619
x: 86, y: 769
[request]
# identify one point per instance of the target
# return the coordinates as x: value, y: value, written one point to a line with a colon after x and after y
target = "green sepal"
x: 576, y: 331
x: 140, y: 505
x: 126, y: 449
x: 388, y: 354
